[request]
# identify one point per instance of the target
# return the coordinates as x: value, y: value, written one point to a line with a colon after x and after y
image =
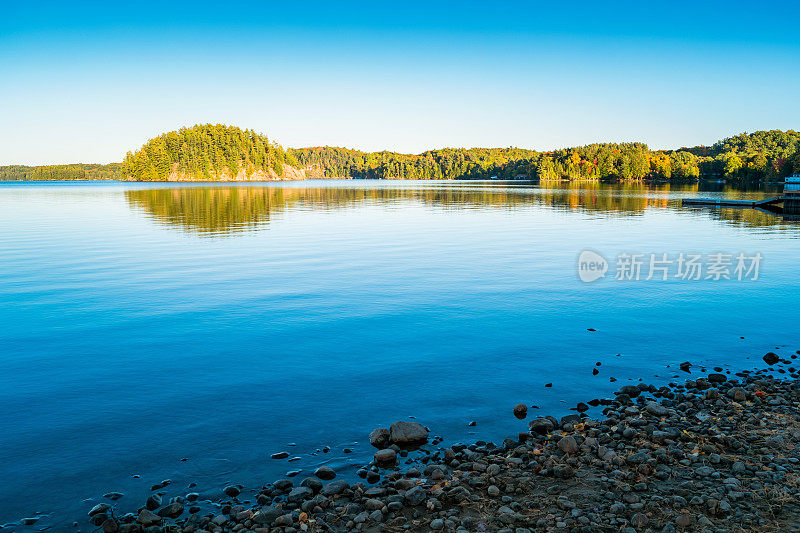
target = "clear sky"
x: 88, y: 81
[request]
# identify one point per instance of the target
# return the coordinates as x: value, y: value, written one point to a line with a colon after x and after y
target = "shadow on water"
x: 230, y: 210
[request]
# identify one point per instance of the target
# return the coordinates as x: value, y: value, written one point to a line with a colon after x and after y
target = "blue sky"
x: 88, y: 81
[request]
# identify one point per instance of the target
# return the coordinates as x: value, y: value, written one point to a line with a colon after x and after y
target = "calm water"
x: 144, y: 324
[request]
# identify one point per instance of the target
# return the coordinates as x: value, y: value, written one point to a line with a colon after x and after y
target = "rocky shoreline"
x: 718, y: 452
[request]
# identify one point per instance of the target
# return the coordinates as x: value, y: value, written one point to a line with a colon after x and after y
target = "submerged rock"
x: 232, y: 490
x: 99, y: 508
x: 153, y: 502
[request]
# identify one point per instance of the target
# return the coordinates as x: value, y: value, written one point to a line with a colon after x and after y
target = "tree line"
x: 217, y: 152
x: 77, y: 171
x: 762, y: 155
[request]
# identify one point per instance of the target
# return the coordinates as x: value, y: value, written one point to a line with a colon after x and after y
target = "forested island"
x: 224, y: 153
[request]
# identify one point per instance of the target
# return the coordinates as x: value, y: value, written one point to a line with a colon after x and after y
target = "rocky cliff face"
x: 290, y: 173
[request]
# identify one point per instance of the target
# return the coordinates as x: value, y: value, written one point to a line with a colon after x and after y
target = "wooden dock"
x: 725, y: 202
x: 789, y: 200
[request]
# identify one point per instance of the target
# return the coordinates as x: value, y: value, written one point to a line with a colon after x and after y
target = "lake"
x: 189, y: 331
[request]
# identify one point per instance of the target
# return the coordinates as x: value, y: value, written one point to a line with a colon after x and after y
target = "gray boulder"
x: 405, y: 433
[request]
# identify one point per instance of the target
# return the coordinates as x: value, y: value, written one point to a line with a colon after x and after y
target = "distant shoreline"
x: 526, y: 180
x: 229, y: 153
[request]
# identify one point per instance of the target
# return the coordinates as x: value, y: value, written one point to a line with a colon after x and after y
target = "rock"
x: 638, y: 458
x: 299, y: 494
x: 565, y: 504
x: 148, y: 518
x: 325, y: 473
x: 639, y: 521
x: 373, y: 504
x: 493, y: 491
x: 738, y: 394
x: 582, y: 407
x: 283, y: 485
x: 630, y: 390
x: 312, y: 483
x: 267, y: 515
x: 776, y: 441
x: 771, y: 358
x: 563, y: 471
x: 705, y: 471
x: 406, y: 433
x: 110, y: 526
x: 113, y: 495
x: 437, y: 524
x: 379, y: 438
x: 333, y: 488
x: 717, y: 378
x: 568, y: 444
x: 173, y: 510
x: 99, y: 508
x: 232, y: 490
x: 685, y: 366
x: 542, y: 426
x: 415, y: 496
x: 153, y: 502
x: 386, y: 457
x: 684, y: 521
x: 280, y: 455
x: 704, y: 522
x: 656, y: 409
x: 521, y: 410
x: 284, y: 520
